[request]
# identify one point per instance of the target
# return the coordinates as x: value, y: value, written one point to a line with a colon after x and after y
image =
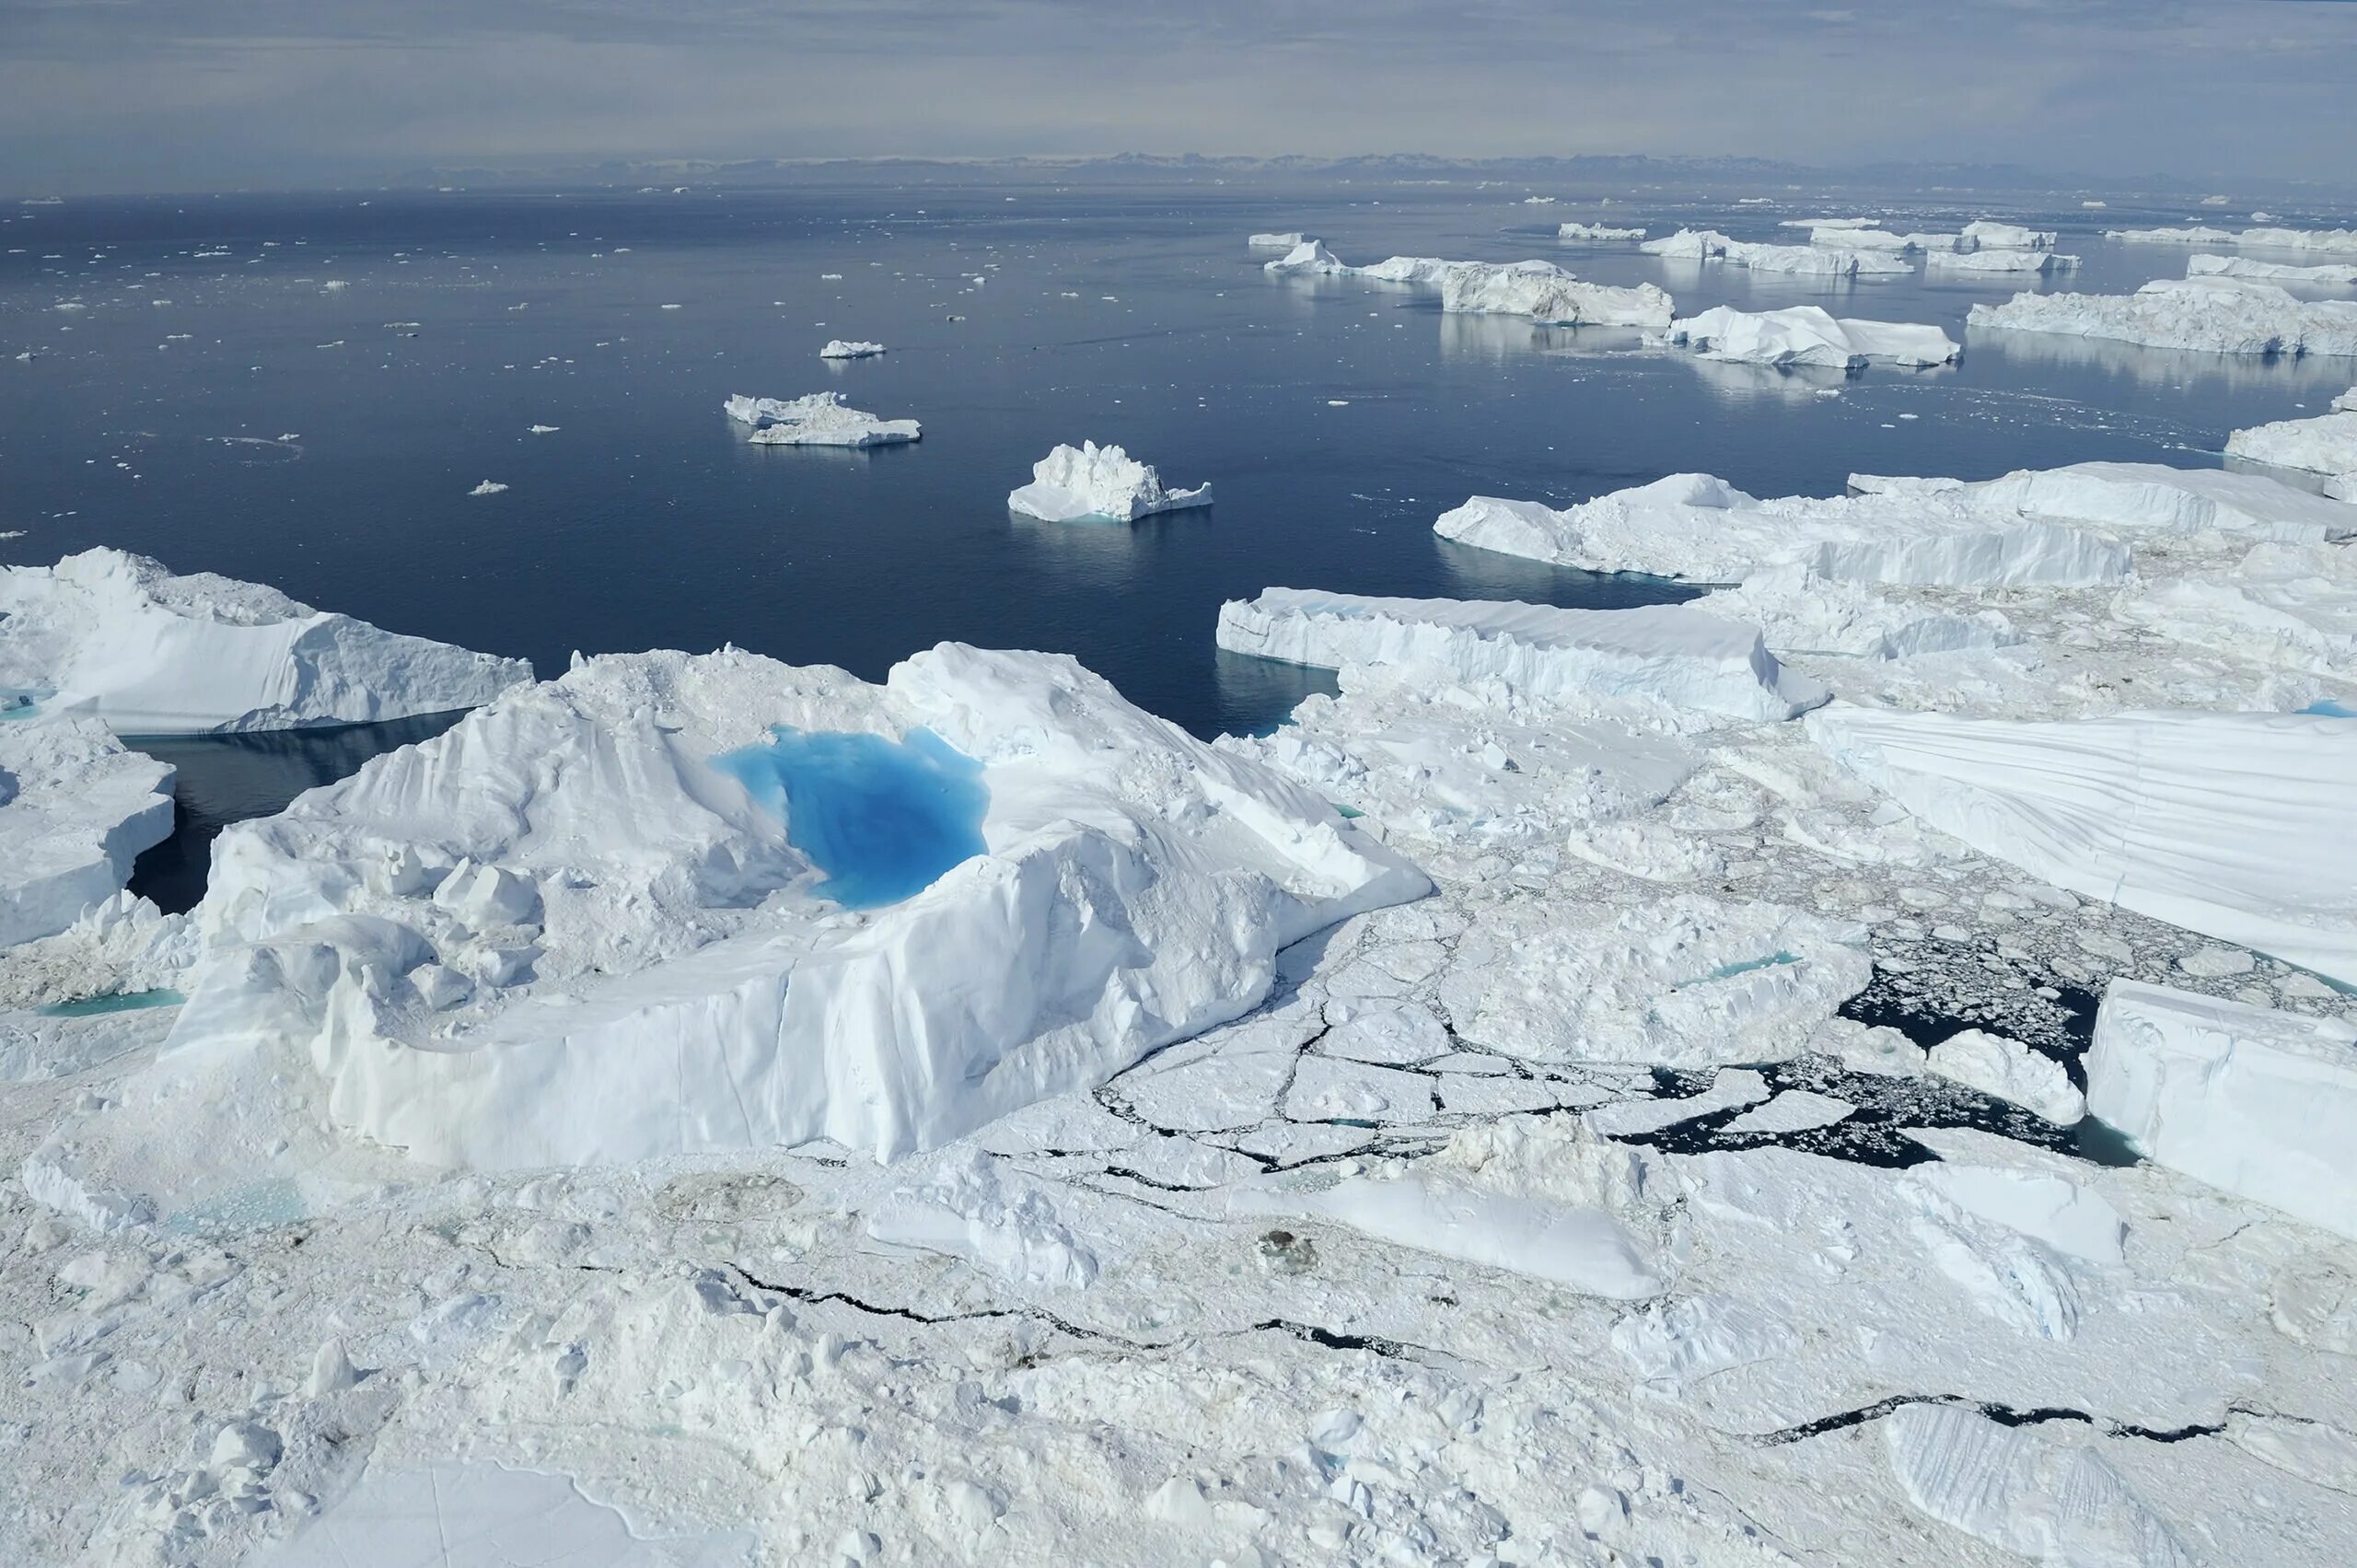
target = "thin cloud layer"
x: 151, y: 95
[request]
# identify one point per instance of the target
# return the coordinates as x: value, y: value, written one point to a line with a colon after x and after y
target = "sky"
x: 196, y: 95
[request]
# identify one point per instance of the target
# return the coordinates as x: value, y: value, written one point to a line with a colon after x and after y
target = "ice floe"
x: 839, y: 348
x: 2257, y: 1101
x: 588, y: 923
x: 2011, y: 1071
x: 1998, y: 262
x: 1272, y: 242
x: 2214, y: 315
x: 1089, y: 481
x: 1546, y: 293
x: 1808, y: 335
x: 76, y: 809
x: 121, y: 638
x: 1307, y: 256
x: 820, y: 419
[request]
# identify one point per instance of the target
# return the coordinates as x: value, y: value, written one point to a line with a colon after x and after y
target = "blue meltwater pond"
x: 883, y: 818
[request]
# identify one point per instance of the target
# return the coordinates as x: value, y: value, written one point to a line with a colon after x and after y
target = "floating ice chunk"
x: 1799, y: 610
x: 1703, y: 529
x: 1665, y: 654
x: 1407, y: 269
x: 1545, y: 292
x: 1990, y: 235
x: 821, y: 419
x: 1308, y: 256
x: 686, y: 986
x: 2233, y: 825
x: 1286, y: 242
x: 2324, y: 274
x: 2214, y: 315
x: 1998, y: 262
x: 839, y: 348
x: 118, y: 637
x: 1596, y: 231
x: 1709, y: 245
x: 1856, y: 237
x: 2049, y: 1498
x: 488, y: 487
x: 1090, y: 481
x: 2259, y: 1102
x: 1806, y: 334
x: 1794, y: 1111
x: 2327, y: 444
x: 2011, y: 1071
x: 76, y: 809
x: 480, y: 1515
x: 533, y: 430
x: 2326, y: 241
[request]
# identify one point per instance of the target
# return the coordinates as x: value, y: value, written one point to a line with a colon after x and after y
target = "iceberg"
x: 2326, y: 443
x: 2325, y: 242
x: 1427, y: 270
x: 1987, y: 234
x: 2254, y: 1102
x: 2156, y: 499
x: 1806, y: 334
x: 1309, y: 256
x: 120, y: 638
x: 1846, y: 235
x: 2329, y: 274
x: 1546, y: 293
x: 2232, y: 825
x: 1596, y: 231
x: 1090, y: 481
x: 588, y: 923
x: 1709, y: 245
x: 1701, y: 529
x: 1998, y: 262
x: 1658, y: 654
x: 2214, y: 315
x: 2288, y: 606
x: 76, y: 809
x: 839, y: 348
x: 821, y: 419
x: 1277, y: 241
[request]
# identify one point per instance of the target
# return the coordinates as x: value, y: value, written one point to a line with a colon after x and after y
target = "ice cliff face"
x: 120, y: 638
x: 76, y: 809
x: 2215, y: 315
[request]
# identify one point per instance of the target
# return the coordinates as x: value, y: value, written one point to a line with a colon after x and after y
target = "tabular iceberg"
x: 1090, y: 481
x: 2154, y: 498
x: 2327, y: 274
x: 1806, y: 334
x: 1596, y: 231
x: 2212, y: 313
x: 76, y: 809
x: 2259, y: 1102
x: 2328, y: 242
x: 1308, y: 256
x: 821, y: 419
x: 1285, y: 241
x: 1989, y: 233
x: 839, y: 348
x: 560, y: 934
x: 1998, y: 262
x: 1546, y: 293
x: 1660, y: 653
x: 121, y: 638
x: 2327, y: 444
x: 1709, y: 245
x: 2233, y: 825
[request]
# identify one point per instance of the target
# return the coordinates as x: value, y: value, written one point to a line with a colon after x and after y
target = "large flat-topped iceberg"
x: 1546, y: 293
x: 2327, y: 444
x: 1847, y: 236
x: 2323, y: 274
x: 1596, y: 231
x: 1989, y: 233
x: 121, y: 638
x: 843, y: 348
x: 2259, y: 1102
x: 2212, y: 315
x: 598, y: 920
x: 76, y: 809
x: 1806, y: 334
x: 1702, y: 529
x: 2233, y: 825
x: 821, y: 419
x: 2315, y: 241
x: 1709, y: 245
x: 1090, y: 481
x: 1667, y: 653
x: 1273, y: 242
x: 2004, y: 262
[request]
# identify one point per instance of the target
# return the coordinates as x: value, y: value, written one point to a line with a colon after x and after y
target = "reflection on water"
x: 229, y: 778
x: 1470, y: 336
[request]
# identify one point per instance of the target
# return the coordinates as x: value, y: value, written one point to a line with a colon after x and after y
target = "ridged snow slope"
x: 120, y: 638
x: 561, y: 933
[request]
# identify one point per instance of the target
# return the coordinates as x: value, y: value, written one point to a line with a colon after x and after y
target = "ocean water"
x: 302, y: 390
x: 883, y: 818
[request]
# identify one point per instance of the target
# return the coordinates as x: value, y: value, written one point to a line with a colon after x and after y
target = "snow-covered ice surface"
x: 1541, y: 290
x: 1993, y: 233
x: 2324, y: 274
x: 820, y: 419
x: 2311, y: 242
x: 1808, y: 335
x: 1089, y: 481
x: 76, y: 809
x: 2326, y: 443
x: 840, y: 348
x: 1814, y: 260
x: 121, y: 638
x: 1276, y: 241
x: 1597, y: 231
x: 1987, y: 260
x: 2214, y: 315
